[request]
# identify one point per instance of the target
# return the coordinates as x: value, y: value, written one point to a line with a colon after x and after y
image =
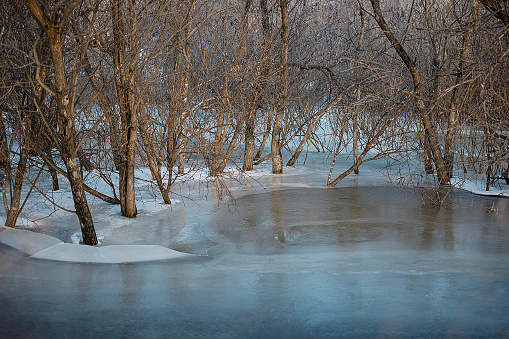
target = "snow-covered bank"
x: 41, y: 246
x: 478, y: 187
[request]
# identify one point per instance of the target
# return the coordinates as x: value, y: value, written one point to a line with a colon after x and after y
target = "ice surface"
x: 279, y: 256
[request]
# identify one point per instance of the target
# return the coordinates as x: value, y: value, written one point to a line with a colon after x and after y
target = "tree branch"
x: 38, y: 14
x: 494, y: 7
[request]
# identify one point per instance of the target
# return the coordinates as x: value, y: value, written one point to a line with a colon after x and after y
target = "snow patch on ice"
x: 41, y: 246
x: 114, y: 254
x: 478, y: 187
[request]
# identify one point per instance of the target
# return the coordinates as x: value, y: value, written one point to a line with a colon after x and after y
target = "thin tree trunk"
x: 125, y: 83
x: 418, y: 94
x: 452, y: 121
x: 181, y: 160
x: 253, y: 102
x: 52, y: 171
x: 312, y: 127
x: 14, y: 210
x: 218, y: 144
x: 266, y: 134
x: 4, y: 149
x: 257, y: 95
x: 233, y: 144
x: 266, y: 64
x: 358, y: 79
x: 249, y: 141
x: 149, y: 151
x: 65, y: 118
x: 171, y: 144
x: 427, y: 156
x: 226, y: 103
x: 277, y: 159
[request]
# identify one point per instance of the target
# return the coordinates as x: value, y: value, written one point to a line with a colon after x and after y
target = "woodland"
x: 109, y: 85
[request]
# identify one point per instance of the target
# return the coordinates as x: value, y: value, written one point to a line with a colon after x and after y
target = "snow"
x: 42, y: 246
x: 113, y: 254
x: 478, y: 187
x: 40, y: 212
x: 25, y: 241
x: 193, y: 190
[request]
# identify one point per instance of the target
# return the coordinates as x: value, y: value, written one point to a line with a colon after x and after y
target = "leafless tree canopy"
x: 101, y: 86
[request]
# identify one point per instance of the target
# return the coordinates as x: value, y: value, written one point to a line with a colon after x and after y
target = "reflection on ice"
x: 192, y: 239
x: 282, y: 259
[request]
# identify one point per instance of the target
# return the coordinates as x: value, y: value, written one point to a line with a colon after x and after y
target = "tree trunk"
x: 358, y: 80
x: 253, y: 102
x: 66, y: 129
x: 418, y: 95
x: 452, y: 121
x: 257, y: 95
x: 65, y: 116
x: 125, y: 84
x: 277, y: 159
x: 14, y: 211
x: 427, y: 156
x: 149, y: 151
x: 4, y: 149
x: 249, y: 142
x: 52, y: 171
x: 218, y: 143
x: 266, y: 134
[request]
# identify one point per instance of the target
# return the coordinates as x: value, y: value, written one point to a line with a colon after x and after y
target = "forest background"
x: 95, y: 88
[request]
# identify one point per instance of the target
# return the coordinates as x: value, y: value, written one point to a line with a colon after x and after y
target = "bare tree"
x: 277, y: 159
x: 443, y: 176
x: 54, y: 25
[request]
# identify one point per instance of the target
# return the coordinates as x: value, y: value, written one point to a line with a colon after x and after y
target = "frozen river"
x: 290, y: 261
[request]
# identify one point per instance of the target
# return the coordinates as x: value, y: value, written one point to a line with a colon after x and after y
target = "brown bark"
x: 149, y: 151
x: 358, y: 79
x: 4, y: 149
x: 418, y: 95
x: 65, y: 116
x: 14, y: 208
x: 125, y: 84
x: 43, y: 125
x: 258, y: 91
x: 171, y: 143
x: 218, y: 143
x: 494, y: 7
x: 249, y: 141
x: 233, y: 144
x: 457, y: 93
x: 277, y: 159
x: 52, y: 171
x: 226, y: 104
x: 266, y: 134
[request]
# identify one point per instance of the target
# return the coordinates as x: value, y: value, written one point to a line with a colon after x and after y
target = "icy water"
x: 298, y: 262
